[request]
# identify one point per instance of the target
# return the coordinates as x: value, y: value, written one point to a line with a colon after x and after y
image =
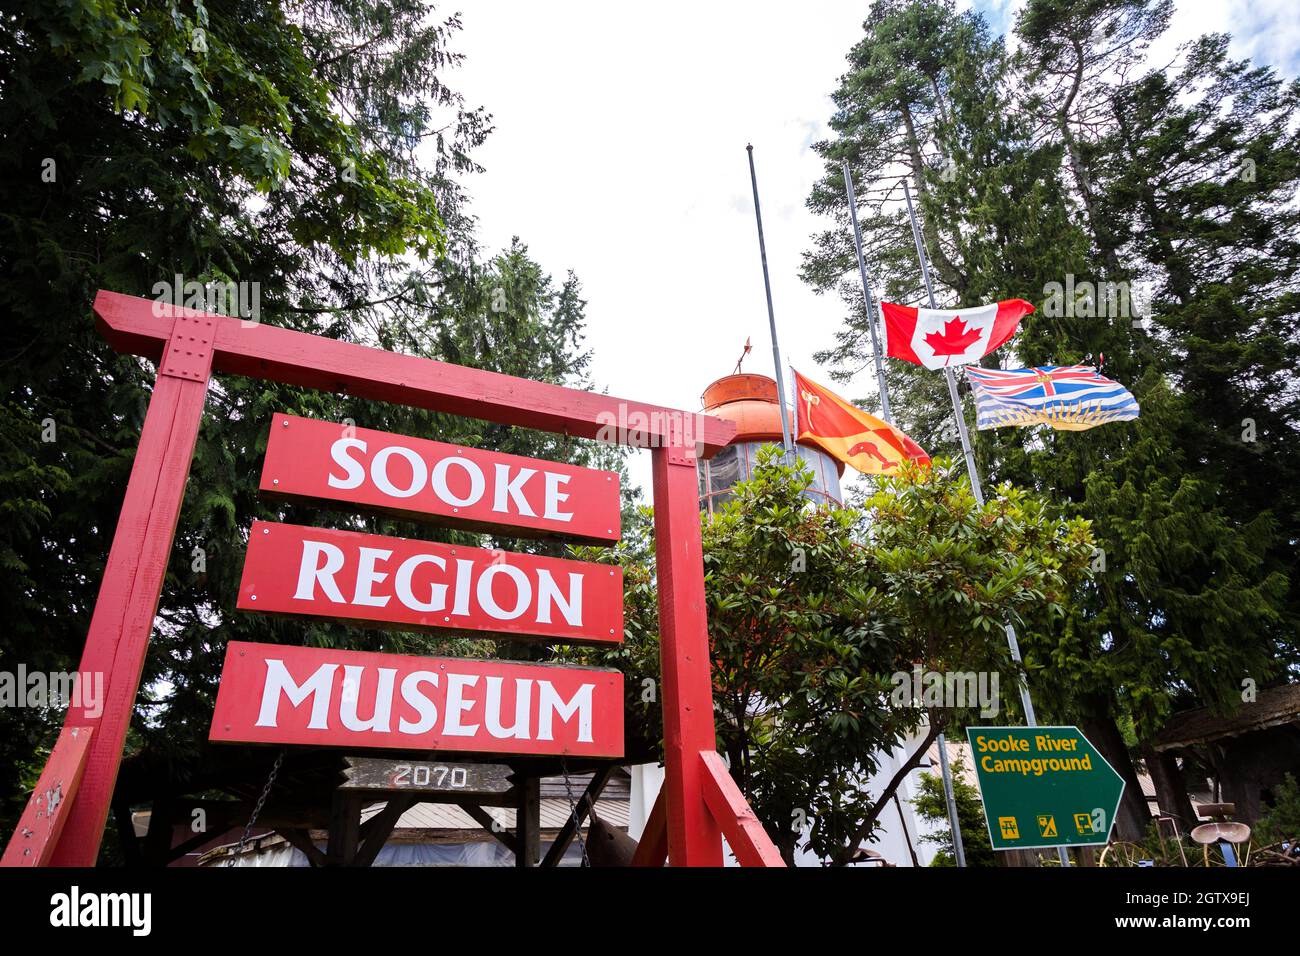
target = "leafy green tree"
x: 931, y: 803
x: 1282, y: 820
x: 1071, y: 165
x: 814, y: 612
x: 314, y: 152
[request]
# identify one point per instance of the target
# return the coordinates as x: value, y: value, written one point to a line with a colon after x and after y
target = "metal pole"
x: 966, y: 450
x: 866, y: 298
x: 951, y: 797
x: 979, y: 497
x: 771, y: 315
x: 1026, y: 701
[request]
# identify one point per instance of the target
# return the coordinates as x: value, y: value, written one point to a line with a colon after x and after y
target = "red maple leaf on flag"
x: 956, y: 338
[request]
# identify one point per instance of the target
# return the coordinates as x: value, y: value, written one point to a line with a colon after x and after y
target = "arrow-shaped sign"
x: 1044, y: 787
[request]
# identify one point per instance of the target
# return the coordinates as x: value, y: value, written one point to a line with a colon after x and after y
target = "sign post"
x: 414, y: 478
x: 1044, y: 787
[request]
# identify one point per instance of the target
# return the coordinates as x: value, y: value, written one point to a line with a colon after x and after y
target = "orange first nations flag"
x: 860, y: 440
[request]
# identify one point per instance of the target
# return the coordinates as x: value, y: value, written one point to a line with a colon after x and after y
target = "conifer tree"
x: 1080, y: 178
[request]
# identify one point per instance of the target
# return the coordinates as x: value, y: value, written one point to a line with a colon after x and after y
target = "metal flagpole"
x: 1025, y: 700
x: 771, y: 316
x: 950, y: 798
x: 866, y: 298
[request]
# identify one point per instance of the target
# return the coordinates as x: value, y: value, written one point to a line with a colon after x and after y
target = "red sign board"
x: 277, y: 694
x: 420, y: 585
x: 412, y: 477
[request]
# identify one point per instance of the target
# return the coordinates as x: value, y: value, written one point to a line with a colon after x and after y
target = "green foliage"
x: 1282, y: 820
x: 931, y: 804
x: 812, y: 610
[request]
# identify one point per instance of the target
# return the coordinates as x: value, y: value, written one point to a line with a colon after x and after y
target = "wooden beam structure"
x: 528, y: 821
x: 652, y: 848
x: 301, y: 840
x: 376, y: 831
x: 577, y: 816
x: 693, y: 835
x: 36, y: 838
x: 490, y: 824
x: 188, y: 347
x: 344, y: 830
x: 143, y: 327
x: 745, y: 835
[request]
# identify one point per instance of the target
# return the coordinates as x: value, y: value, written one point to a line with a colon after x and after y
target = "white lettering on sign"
x: 278, y: 681
x: 510, y: 485
x: 423, y: 480
x: 459, y: 694
x: 422, y: 585
x: 322, y: 561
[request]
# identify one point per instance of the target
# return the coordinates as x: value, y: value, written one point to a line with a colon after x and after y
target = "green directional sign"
x: 1044, y: 787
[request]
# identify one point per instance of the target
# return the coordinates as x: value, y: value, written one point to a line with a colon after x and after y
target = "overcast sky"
x: 619, y: 153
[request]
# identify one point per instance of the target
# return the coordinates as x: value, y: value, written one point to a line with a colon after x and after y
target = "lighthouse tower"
x: 750, y: 401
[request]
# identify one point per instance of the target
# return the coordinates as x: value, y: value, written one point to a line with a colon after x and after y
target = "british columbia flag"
x: 1070, y: 397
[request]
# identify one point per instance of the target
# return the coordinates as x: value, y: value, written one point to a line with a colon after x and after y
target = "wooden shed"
x: 1249, y: 752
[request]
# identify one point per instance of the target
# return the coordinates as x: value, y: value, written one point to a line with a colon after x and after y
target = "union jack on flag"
x: 1070, y: 397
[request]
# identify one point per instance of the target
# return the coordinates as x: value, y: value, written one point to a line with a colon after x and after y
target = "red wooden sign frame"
x: 699, y: 802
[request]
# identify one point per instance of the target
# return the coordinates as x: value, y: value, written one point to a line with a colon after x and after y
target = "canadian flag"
x: 937, y: 338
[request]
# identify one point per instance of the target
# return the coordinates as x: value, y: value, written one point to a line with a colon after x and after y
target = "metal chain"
x: 257, y: 807
x: 573, y: 809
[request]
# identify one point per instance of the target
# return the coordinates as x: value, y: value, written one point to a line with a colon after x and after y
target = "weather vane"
x: 748, y: 348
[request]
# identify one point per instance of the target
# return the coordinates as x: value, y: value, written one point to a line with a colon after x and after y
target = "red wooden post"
x: 137, y: 562
x: 693, y: 835
x: 37, y: 835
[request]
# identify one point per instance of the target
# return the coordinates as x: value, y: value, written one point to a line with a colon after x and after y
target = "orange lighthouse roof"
x: 749, y: 400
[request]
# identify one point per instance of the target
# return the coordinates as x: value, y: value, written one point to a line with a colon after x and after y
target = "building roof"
x: 1273, y: 707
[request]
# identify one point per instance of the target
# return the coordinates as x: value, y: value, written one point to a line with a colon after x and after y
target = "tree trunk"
x: 1017, y: 858
x: 948, y: 272
x: 1171, y: 789
x: 1099, y: 727
x: 868, y: 824
x: 1100, y: 230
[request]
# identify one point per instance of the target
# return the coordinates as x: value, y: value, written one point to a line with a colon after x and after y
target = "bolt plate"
x: 188, y: 354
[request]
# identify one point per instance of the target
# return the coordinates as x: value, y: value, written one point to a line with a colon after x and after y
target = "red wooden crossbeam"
x: 652, y: 848
x: 696, y: 806
x: 332, y: 365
